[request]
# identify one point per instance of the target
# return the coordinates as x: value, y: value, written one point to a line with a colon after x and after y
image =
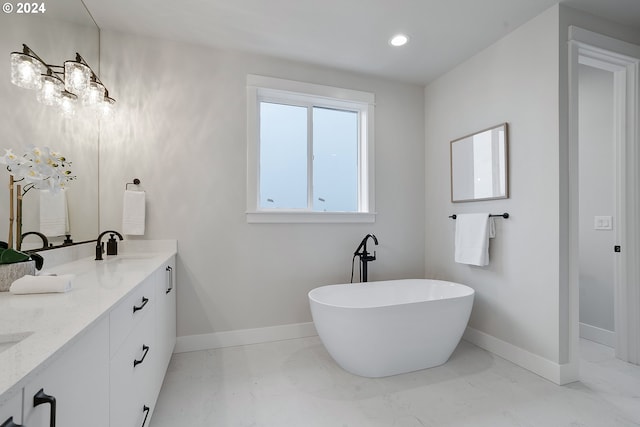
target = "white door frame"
x: 622, y: 59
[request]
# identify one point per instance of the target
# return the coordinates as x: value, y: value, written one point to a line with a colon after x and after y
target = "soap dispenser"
x: 112, y: 245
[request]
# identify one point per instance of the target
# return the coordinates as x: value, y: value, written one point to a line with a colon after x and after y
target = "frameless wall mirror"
x: 56, y: 32
x: 479, y: 166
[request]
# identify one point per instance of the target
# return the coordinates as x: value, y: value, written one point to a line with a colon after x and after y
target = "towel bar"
x: 503, y: 215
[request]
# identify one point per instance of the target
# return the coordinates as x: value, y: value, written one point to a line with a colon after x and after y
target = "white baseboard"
x: 244, y: 337
x: 599, y: 335
x: 557, y: 373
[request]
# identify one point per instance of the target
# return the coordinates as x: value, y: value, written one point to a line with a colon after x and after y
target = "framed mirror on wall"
x: 55, y: 34
x: 480, y: 165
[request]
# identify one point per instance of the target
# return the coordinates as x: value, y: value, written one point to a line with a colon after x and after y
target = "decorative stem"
x: 19, y: 218
x: 28, y: 187
x: 10, y: 239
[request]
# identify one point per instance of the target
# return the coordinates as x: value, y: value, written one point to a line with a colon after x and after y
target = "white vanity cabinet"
x: 74, y: 387
x: 11, y: 410
x: 142, y: 344
x: 108, y: 369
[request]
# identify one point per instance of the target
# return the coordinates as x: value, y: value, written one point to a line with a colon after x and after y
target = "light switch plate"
x: 603, y: 223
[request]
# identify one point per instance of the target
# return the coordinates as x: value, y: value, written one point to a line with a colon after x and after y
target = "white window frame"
x: 269, y: 89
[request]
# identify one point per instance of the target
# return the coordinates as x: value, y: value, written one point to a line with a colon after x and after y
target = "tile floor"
x: 296, y: 383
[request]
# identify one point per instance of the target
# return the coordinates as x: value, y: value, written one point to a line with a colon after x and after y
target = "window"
x: 310, y: 152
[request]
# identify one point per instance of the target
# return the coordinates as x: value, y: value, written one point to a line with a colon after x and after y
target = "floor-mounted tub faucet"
x: 365, y: 257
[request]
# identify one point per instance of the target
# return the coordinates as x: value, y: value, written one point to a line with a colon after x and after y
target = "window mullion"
x: 310, y: 157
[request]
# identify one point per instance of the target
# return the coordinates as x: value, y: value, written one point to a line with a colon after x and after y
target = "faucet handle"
x: 99, y: 251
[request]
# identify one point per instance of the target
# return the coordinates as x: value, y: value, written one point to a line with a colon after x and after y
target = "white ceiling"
x: 346, y: 34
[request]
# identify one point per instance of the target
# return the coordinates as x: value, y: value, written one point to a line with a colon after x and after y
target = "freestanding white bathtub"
x: 378, y: 329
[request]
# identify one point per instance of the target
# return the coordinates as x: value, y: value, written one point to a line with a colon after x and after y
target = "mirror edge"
x: 506, y: 169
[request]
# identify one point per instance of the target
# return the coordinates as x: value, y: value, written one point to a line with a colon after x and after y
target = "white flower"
x: 9, y: 158
x: 38, y: 168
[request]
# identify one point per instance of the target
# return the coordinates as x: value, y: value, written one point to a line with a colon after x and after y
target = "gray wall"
x: 514, y: 81
x: 181, y: 128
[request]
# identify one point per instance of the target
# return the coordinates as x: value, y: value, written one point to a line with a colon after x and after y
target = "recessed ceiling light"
x: 398, y: 40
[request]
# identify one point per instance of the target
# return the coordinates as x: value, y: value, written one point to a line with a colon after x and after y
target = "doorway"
x: 618, y: 61
x: 596, y: 204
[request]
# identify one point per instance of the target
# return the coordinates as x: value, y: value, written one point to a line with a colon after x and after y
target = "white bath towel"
x: 472, y: 238
x: 42, y: 284
x: 133, y: 213
x: 54, y: 213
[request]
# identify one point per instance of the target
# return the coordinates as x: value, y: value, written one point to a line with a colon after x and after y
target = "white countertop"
x: 52, y: 321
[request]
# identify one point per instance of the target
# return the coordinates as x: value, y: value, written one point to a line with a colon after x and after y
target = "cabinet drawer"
x: 11, y: 406
x: 127, y: 314
x: 133, y: 369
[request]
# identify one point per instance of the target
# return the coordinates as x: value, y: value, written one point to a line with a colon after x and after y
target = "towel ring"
x: 136, y: 181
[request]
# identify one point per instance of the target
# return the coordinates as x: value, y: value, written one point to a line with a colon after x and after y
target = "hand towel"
x: 472, y: 238
x: 54, y: 213
x: 133, y: 212
x: 42, y: 284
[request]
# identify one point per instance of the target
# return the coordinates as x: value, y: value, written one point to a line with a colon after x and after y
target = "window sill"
x: 265, y: 217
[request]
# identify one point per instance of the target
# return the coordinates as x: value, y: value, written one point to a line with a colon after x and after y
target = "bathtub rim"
x: 469, y: 294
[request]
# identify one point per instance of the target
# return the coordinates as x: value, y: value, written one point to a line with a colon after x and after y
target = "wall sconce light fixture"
x: 63, y: 86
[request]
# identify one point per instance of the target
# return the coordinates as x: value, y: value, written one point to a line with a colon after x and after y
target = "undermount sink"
x: 9, y: 340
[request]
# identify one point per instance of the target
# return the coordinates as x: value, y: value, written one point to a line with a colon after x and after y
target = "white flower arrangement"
x: 38, y: 168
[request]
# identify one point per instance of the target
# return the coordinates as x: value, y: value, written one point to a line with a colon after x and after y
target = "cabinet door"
x: 11, y: 409
x: 78, y: 379
x: 166, y: 330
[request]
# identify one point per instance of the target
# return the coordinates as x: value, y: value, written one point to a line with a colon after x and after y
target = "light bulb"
x: 26, y: 71
x: 106, y: 108
x: 94, y: 94
x: 68, y: 103
x: 51, y: 91
x: 77, y: 77
x: 398, y: 40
